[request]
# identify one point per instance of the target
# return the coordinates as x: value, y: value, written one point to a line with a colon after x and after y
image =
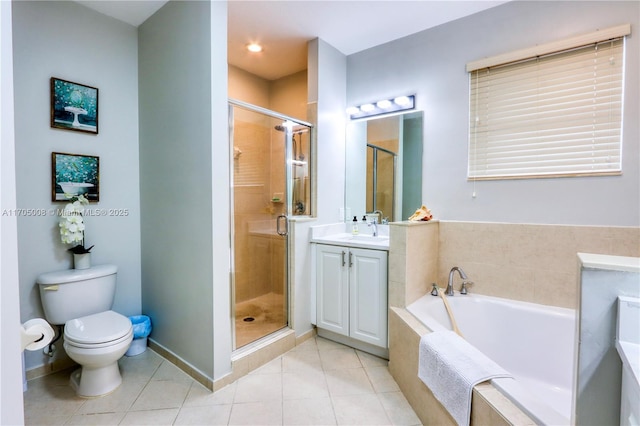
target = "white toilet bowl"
x: 97, y: 342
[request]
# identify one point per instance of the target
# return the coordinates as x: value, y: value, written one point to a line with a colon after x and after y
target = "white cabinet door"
x: 351, y: 293
x: 368, y: 296
x: 332, y: 278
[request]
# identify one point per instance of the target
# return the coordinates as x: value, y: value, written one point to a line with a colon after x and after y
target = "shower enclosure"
x: 270, y: 184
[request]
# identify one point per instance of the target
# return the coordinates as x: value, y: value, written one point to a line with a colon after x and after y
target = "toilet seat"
x: 98, y: 330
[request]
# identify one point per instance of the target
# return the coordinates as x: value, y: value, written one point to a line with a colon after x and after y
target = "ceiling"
x: 285, y: 27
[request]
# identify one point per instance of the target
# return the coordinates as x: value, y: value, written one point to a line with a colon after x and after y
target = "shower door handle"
x: 279, y: 227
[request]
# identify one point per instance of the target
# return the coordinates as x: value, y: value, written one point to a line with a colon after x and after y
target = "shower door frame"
x: 374, y: 178
x: 288, y: 149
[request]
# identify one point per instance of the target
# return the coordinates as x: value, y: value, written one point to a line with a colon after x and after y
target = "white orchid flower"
x: 71, y: 223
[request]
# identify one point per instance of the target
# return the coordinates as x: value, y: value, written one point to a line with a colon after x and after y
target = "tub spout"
x: 449, y: 291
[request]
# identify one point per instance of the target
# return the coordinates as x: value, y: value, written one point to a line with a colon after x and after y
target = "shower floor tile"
x: 317, y: 383
x: 259, y: 317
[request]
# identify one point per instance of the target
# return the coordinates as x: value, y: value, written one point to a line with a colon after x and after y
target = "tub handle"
x: 434, y: 291
x: 464, y: 289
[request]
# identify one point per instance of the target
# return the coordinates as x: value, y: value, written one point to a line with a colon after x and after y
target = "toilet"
x: 94, y: 336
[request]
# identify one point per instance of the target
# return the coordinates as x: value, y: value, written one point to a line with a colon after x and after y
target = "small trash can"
x: 141, y: 330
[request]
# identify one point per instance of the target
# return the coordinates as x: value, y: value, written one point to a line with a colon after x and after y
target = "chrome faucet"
x: 449, y: 291
x: 374, y: 225
x: 379, y: 213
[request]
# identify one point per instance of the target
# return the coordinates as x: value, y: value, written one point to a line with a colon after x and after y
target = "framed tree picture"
x: 74, y: 106
x: 74, y: 174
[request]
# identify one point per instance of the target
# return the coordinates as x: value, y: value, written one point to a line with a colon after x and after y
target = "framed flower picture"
x: 74, y: 106
x: 74, y: 174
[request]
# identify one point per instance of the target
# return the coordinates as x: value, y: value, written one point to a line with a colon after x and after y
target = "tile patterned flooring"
x: 319, y: 382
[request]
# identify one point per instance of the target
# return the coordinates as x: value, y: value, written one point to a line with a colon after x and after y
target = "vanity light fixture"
x: 367, y: 107
x: 385, y: 106
x: 403, y: 101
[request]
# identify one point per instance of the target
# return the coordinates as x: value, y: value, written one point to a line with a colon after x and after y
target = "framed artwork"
x: 74, y: 174
x: 74, y: 106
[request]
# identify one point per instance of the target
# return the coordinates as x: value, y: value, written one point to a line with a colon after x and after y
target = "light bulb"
x: 353, y: 110
x: 383, y: 104
x: 402, y: 100
x: 367, y: 107
x: 254, y: 47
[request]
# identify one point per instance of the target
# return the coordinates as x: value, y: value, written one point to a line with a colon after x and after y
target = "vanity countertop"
x: 339, y: 235
x: 359, y: 241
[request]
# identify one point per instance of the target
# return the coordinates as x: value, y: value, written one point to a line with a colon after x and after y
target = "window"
x: 554, y: 110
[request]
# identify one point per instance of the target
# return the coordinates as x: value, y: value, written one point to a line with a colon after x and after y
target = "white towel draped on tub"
x: 451, y: 367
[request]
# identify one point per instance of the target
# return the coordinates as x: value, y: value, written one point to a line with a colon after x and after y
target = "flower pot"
x: 82, y: 261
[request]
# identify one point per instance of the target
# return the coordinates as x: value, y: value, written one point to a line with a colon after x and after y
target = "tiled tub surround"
x: 531, y: 263
x: 488, y: 405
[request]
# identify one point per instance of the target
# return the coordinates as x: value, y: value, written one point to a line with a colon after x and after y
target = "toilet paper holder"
x: 36, y: 334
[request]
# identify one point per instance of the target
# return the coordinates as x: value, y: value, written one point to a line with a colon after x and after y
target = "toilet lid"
x: 97, y: 328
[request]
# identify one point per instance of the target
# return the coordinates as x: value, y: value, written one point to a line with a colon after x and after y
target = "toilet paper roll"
x: 36, y: 334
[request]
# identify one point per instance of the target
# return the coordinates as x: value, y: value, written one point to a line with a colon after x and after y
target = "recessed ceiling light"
x: 254, y: 47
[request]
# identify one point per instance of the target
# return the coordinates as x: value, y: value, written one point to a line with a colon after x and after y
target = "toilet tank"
x: 75, y: 293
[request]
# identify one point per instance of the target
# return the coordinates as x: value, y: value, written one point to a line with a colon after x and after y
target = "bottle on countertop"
x: 354, y: 227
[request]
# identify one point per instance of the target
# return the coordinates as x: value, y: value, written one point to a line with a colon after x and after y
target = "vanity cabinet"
x: 351, y: 286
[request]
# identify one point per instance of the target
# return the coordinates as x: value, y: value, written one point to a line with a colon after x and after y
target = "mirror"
x: 384, y: 167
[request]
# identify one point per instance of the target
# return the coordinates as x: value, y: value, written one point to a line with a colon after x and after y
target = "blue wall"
x: 106, y: 57
x: 432, y: 65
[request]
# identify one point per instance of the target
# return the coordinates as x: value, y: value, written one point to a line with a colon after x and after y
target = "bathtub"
x: 535, y: 343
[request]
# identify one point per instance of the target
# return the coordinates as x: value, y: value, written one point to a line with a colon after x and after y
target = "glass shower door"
x: 266, y: 191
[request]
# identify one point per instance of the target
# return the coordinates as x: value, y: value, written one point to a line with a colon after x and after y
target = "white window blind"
x: 558, y: 114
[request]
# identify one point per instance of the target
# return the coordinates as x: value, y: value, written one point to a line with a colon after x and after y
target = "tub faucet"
x: 449, y: 291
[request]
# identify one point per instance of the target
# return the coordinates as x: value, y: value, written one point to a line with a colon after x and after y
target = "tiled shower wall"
x: 532, y: 263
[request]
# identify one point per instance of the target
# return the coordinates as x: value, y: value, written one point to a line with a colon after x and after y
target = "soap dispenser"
x: 354, y: 227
